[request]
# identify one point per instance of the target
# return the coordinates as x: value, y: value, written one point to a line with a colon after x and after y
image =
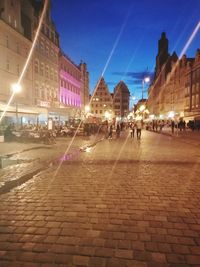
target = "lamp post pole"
x: 16, y: 88
x: 145, y: 80
x: 142, y: 88
x: 17, y: 117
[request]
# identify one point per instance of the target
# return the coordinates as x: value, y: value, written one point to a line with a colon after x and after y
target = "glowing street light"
x: 87, y: 108
x: 16, y: 88
x: 171, y: 114
x: 142, y: 108
x: 145, y: 80
x: 107, y: 115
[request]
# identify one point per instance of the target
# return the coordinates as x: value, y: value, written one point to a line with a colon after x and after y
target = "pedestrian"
x: 110, y: 132
x: 139, y: 128
x: 118, y: 131
x: 172, y: 125
x: 132, y: 130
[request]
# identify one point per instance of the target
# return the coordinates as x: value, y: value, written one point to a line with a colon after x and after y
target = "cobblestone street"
x: 124, y: 203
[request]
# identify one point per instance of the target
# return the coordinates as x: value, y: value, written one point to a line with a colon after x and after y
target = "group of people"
x: 136, y: 127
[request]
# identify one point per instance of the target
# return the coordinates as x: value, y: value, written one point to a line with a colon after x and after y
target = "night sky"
x: 125, y: 31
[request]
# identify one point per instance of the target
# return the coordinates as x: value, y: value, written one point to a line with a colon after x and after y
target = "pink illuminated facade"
x: 70, y: 83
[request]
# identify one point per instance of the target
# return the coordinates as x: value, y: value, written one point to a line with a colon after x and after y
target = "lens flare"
x: 103, y: 72
x: 188, y: 43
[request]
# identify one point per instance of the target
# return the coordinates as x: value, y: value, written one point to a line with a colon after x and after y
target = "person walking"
x: 118, y: 131
x: 139, y: 129
x: 132, y: 130
x: 172, y: 126
x: 110, y: 132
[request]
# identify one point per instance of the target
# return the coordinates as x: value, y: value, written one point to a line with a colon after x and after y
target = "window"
x: 17, y: 69
x: 47, y: 50
x: 17, y: 48
x: 42, y: 69
x: 47, y: 71
x: 193, y: 101
x: 37, y: 90
x: 42, y: 92
x: 42, y: 45
x: 48, y: 94
x: 36, y: 66
x: 51, y: 75
x: 197, y: 100
x: 56, y: 76
x: 7, y: 41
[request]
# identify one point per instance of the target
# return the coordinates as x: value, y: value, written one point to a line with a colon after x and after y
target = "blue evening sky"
x: 125, y: 31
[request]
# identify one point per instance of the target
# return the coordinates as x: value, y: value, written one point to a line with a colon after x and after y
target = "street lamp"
x: 145, y: 80
x: 107, y: 115
x: 16, y: 88
x: 87, y: 108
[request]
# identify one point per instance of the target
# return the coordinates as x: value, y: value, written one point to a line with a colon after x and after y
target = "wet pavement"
x: 121, y: 203
x: 19, y: 162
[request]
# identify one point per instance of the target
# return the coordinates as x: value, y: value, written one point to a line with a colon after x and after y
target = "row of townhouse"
x: 175, y: 90
x: 53, y: 85
x: 106, y: 105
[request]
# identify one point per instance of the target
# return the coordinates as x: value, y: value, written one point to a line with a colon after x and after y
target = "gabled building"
x: 121, y: 100
x: 101, y: 101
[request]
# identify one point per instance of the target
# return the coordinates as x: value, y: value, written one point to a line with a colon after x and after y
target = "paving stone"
x: 193, y: 259
x: 137, y: 211
x: 81, y: 260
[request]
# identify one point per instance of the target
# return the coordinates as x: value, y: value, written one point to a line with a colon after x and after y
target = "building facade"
x: 101, y: 102
x: 84, y: 85
x: 15, y: 42
x: 52, y: 84
x: 46, y: 65
x: 70, y: 87
x: 192, y: 88
x: 121, y: 100
x: 174, y: 92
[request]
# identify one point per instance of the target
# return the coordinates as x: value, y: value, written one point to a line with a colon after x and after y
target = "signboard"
x: 43, y: 103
